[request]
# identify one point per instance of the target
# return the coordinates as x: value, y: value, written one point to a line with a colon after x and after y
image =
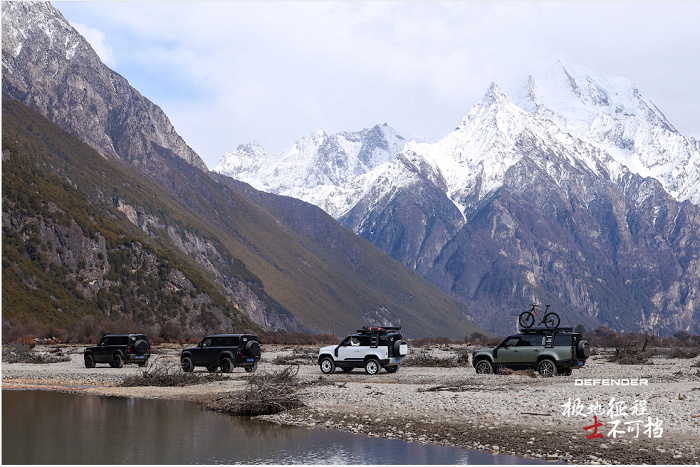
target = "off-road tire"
x: 187, y: 364
x: 226, y: 365
x: 141, y: 364
x: 392, y: 369
x: 141, y: 347
x: 327, y: 365
x: 397, y: 348
x: 547, y: 367
x: 117, y: 361
x: 89, y: 362
x: 526, y: 319
x: 251, y: 368
x: 484, y: 367
x: 372, y: 366
x: 252, y: 349
x: 583, y: 350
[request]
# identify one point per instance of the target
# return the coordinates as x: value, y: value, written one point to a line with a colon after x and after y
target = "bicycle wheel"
x: 526, y: 319
x: 551, y: 320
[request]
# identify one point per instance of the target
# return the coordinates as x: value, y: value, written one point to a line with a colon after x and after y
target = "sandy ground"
x: 510, y: 414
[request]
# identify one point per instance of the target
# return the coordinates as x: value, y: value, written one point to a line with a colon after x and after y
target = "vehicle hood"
x: 327, y: 349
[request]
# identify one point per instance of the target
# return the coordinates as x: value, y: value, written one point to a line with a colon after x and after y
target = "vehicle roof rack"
x: 378, y: 329
x: 545, y: 330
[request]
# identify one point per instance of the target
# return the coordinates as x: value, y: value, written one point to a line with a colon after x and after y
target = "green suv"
x: 549, y: 351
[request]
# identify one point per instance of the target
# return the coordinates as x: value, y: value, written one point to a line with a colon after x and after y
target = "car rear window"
x: 562, y: 340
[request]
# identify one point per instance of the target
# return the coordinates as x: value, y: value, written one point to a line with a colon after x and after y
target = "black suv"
x: 547, y: 350
x: 225, y: 351
x: 119, y: 349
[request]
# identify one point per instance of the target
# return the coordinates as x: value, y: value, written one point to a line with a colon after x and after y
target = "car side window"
x: 230, y: 341
x: 512, y: 341
x: 531, y: 341
x: 103, y: 341
x: 206, y: 342
x: 346, y: 341
x: 562, y: 340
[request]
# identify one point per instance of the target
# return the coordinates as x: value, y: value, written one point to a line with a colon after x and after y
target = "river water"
x: 42, y: 427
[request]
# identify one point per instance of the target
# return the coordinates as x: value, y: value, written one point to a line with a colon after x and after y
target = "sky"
x: 227, y: 73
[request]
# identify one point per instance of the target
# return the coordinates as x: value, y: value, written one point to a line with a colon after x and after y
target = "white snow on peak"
x: 315, y: 166
x: 612, y: 114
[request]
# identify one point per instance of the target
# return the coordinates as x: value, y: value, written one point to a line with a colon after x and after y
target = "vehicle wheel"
x: 187, y: 365
x: 142, y: 363
x: 117, y: 361
x: 526, y: 319
x: 547, y: 367
x: 551, y: 320
x: 397, y: 348
x: 372, y: 367
x: 251, y: 368
x: 484, y: 367
x: 141, y: 347
x: 327, y: 365
x: 252, y: 349
x: 392, y: 369
x: 226, y: 365
x: 89, y: 362
x: 583, y: 349
x: 566, y: 372
x: 347, y: 369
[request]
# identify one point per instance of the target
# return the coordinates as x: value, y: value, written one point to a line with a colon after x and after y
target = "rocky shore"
x: 512, y: 414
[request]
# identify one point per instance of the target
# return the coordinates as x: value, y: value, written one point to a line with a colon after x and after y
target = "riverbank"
x: 510, y: 414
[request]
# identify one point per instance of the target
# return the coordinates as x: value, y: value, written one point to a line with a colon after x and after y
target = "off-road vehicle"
x: 371, y: 348
x: 225, y: 351
x: 119, y: 349
x: 549, y: 351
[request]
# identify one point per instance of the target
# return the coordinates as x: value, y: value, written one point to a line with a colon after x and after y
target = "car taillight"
x: 128, y: 349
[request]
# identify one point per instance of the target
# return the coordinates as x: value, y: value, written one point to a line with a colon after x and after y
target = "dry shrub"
x: 160, y: 373
x: 20, y: 352
x: 632, y: 353
x: 685, y: 352
x: 266, y: 394
x: 299, y: 356
x: 426, y: 358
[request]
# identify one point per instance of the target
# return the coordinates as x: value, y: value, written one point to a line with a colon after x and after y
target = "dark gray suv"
x: 225, y: 351
x: 549, y: 351
x: 119, y: 349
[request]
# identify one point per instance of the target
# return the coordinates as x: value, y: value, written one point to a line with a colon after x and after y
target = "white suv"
x: 371, y: 348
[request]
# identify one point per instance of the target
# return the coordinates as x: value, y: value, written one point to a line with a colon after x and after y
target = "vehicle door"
x: 217, y: 346
x: 509, y: 351
x: 531, y: 347
x: 200, y: 355
x: 349, y: 350
x: 98, y: 354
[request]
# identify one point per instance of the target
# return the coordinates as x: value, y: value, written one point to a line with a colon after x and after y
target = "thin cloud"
x: 96, y: 38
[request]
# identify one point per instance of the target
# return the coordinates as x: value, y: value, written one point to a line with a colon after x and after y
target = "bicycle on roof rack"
x: 549, y: 319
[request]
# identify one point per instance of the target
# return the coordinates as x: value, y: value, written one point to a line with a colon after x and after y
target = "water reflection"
x: 54, y: 428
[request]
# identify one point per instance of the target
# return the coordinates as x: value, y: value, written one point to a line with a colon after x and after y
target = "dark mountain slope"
x: 70, y: 249
x: 260, y: 257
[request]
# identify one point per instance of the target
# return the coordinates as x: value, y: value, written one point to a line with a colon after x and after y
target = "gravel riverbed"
x: 510, y: 414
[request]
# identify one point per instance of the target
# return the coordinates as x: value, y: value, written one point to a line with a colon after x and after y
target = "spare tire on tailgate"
x: 141, y: 347
x: 400, y: 348
x: 252, y: 348
x: 583, y: 349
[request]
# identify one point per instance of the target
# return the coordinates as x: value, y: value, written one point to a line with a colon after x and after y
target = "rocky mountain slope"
x: 582, y: 196
x: 49, y: 66
x: 280, y: 262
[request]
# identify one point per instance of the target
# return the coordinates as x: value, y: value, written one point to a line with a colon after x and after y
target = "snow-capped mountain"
x: 569, y: 193
x: 316, y: 166
x: 611, y: 113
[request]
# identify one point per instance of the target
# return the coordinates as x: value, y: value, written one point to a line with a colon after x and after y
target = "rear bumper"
x: 242, y: 360
x: 133, y: 358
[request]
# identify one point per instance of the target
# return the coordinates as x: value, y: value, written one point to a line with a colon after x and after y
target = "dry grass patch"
x: 168, y: 374
x: 19, y: 352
